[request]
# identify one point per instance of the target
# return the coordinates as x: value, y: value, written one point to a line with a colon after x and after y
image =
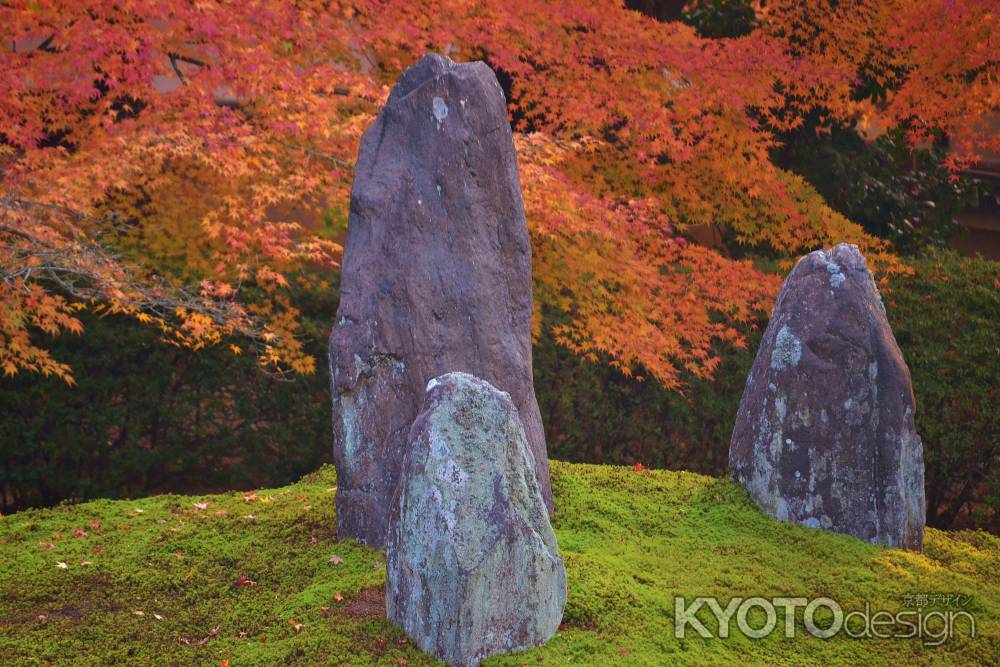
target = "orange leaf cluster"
x: 147, y: 145
x: 936, y: 63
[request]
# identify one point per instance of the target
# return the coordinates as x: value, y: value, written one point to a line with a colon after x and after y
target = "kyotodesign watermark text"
x: 758, y: 617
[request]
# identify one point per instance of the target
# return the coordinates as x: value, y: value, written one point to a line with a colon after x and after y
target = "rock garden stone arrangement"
x: 436, y: 278
x: 435, y: 318
x: 438, y: 439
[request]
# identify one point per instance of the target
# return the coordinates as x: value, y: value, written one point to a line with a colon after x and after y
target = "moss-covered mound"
x: 259, y: 579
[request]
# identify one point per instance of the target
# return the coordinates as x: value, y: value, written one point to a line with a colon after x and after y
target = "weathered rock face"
x: 472, y: 566
x: 436, y: 278
x: 825, y: 436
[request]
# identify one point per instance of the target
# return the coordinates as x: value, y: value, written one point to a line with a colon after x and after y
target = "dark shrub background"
x: 147, y: 418
x: 946, y: 318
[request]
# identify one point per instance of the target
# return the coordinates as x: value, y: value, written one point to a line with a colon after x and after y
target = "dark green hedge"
x: 146, y: 417
x: 593, y: 413
x: 946, y: 318
x: 947, y: 321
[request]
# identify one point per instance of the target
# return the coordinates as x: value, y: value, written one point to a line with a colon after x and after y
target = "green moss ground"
x: 631, y: 541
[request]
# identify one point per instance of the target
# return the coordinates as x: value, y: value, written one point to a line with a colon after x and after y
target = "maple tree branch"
x: 177, y: 70
x: 229, y: 103
x: 71, y: 272
x: 10, y: 202
x: 312, y: 151
x: 47, y: 45
x: 248, y: 118
x: 105, y: 275
x: 187, y: 59
x: 23, y: 234
x: 85, y: 270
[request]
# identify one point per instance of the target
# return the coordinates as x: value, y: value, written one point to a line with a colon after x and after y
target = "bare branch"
x: 187, y: 59
x: 47, y: 45
x: 24, y: 235
x: 86, y: 270
x: 177, y: 70
x: 312, y: 151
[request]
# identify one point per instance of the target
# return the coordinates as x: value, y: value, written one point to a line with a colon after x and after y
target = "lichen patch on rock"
x: 472, y: 568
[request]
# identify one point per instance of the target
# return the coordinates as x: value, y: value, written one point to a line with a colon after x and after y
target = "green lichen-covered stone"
x: 473, y: 568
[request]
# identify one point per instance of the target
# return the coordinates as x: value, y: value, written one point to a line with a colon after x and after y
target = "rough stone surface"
x: 436, y: 278
x: 825, y: 435
x: 472, y: 566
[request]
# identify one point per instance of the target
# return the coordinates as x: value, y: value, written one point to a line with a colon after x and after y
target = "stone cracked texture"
x: 436, y: 278
x: 472, y: 565
x: 825, y: 434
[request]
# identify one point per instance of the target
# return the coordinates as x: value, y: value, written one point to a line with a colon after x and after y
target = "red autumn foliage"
x: 157, y: 158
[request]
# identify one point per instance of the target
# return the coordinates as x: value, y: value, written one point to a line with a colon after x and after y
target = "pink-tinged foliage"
x: 205, y: 125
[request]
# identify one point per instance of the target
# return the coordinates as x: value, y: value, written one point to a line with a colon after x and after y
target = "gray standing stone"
x: 472, y: 566
x: 436, y: 278
x: 825, y: 436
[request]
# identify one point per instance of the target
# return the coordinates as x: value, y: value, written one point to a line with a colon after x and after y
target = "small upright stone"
x: 825, y: 435
x: 472, y: 565
x: 436, y: 278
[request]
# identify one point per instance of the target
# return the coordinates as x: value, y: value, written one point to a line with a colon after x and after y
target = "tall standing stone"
x: 825, y: 435
x: 436, y: 278
x: 472, y: 565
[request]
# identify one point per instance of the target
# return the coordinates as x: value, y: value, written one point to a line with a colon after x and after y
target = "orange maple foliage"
x: 202, y: 125
x: 934, y: 63
x: 101, y: 101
